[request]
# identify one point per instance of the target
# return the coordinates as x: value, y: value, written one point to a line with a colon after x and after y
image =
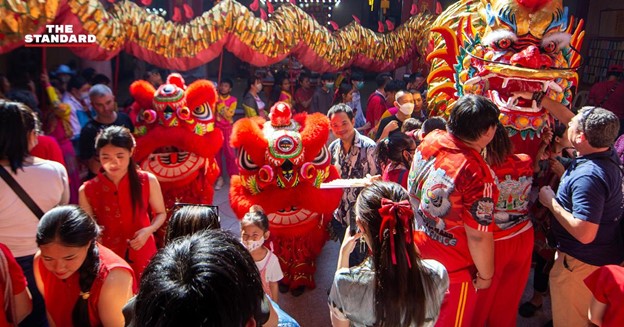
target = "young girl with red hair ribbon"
x: 393, y: 285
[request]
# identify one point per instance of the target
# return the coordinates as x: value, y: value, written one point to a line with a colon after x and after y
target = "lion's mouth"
x: 291, y: 216
x: 500, y: 89
x: 170, y: 163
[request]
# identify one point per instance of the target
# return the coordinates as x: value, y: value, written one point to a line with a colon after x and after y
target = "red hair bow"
x: 390, y: 211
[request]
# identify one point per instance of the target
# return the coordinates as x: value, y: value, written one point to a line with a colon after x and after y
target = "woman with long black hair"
x: 83, y: 282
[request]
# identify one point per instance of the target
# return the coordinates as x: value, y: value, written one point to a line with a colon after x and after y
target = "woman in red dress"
x: 119, y: 197
x: 394, y: 155
x: 83, y: 283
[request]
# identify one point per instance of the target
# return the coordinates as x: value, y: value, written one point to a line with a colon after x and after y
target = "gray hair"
x: 599, y: 125
x: 99, y: 90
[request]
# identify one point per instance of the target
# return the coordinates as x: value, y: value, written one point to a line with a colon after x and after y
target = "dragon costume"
x: 176, y: 138
x: 496, y: 47
x: 282, y: 164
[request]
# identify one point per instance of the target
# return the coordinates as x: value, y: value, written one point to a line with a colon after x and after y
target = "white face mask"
x: 407, y: 109
x: 253, y: 245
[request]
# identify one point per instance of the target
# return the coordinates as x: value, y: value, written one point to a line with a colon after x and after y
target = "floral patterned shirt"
x: 359, y: 161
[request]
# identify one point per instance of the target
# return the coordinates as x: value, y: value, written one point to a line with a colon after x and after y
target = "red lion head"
x: 176, y: 137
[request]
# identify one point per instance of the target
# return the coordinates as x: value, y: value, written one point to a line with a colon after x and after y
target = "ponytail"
x: 136, y: 189
x: 87, y: 274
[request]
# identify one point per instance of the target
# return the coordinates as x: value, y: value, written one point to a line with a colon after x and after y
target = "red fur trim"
x: 200, y: 92
x: 247, y: 133
x: 177, y: 80
x: 314, y: 132
x: 143, y: 93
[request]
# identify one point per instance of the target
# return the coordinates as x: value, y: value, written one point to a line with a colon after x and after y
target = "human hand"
x: 45, y: 79
x: 523, y: 94
x: 371, y: 179
x: 348, y: 242
x: 139, y: 238
x: 479, y: 283
x: 556, y: 167
x: 546, y: 195
x: 391, y: 126
x: 547, y: 135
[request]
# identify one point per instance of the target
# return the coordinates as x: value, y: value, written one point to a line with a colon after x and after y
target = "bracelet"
x: 485, y: 279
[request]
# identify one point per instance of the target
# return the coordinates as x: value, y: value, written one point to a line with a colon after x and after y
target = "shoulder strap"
x: 21, y: 193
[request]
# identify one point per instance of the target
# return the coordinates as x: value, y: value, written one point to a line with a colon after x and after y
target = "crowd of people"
x: 444, y: 234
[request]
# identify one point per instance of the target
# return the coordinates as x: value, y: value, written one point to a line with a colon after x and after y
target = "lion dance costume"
x: 282, y: 164
x: 176, y: 138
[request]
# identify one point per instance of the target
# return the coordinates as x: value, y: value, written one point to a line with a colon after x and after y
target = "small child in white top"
x: 254, y: 232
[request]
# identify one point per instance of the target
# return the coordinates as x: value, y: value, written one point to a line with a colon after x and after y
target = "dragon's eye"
x: 550, y: 47
x: 503, y: 44
x: 245, y: 160
x: 203, y: 112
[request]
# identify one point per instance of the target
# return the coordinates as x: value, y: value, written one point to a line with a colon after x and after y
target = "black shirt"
x: 386, y: 121
x: 91, y: 130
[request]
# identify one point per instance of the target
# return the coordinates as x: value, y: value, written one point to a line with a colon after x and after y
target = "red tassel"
x: 438, y: 8
x: 270, y: 7
x: 177, y: 15
x: 111, y: 1
x: 356, y: 18
x: 334, y: 25
x: 145, y: 2
x: 254, y: 5
x: 414, y: 10
x: 390, y: 25
x: 263, y: 14
x: 188, y: 11
x: 380, y: 27
x: 294, y: 2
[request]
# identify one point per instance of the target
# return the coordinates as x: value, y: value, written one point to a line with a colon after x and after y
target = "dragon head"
x: 176, y: 138
x: 497, y: 47
x: 282, y: 163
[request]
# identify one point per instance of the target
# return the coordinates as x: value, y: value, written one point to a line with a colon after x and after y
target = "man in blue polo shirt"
x: 587, y: 209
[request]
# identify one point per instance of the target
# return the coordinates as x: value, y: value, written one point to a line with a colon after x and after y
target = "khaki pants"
x: 570, y: 297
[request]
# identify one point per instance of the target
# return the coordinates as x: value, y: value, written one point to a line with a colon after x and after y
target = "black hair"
x: 433, y: 123
x: 258, y: 218
x: 410, y: 124
x: 328, y: 77
x: 382, y: 79
x: 21, y: 81
x: 205, y: 279
x: 251, y: 81
x: 395, y: 85
x: 499, y: 148
x: 3, y: 92
x: 341, y: 107
x: 302, y: 76
x: 342, y: 91
x: 599, y: 125
x: 402, y: 290
x: 357, y: 76
x: 191, y: 219
x: 277, y: 86
x: 17, y: 121
x: 121, y: 137
x: 100, y: 79
x: 76, y: 82
x: 73, y: 227
x: 472, y: 116
x: 227, y: 80
x: 89, y: 74
x: 390, y: 149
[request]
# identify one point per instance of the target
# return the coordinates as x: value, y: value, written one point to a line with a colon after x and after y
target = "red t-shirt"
x: 615, y: 102
x: 61, y: 295
x: 395, y: 173
x: 47, y: 148
x: 513, y: 180
x: 18, y: 281
x: 112, y: 208
x: 375, y: 107
x: 450, y: 185
x: 607, y: 286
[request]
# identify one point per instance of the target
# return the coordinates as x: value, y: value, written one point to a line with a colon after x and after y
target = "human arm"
x: 546, y: 139
x: 115, y: 293
x: 159, y: 214
x: 481, y: 246
x: 347, y: 246
x: 336, y: 321
x: 250, y: 106
x: 596, y: 311
x: 83, y: 201
x: 561, y: 112
x: 273, y: 318
x: 384, y: 131
x: 274, y: 290
x: 22, y: 300
x: 584, y: 231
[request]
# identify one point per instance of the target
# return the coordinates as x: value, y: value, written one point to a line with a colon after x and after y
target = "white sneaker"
x: 219, y: 183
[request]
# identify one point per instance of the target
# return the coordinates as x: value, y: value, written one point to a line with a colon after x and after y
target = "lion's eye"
x: 322, y: 157
x: 202, y: 112
x: 245, y: 160
x: 550, y: 47
x: 503, y: 44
